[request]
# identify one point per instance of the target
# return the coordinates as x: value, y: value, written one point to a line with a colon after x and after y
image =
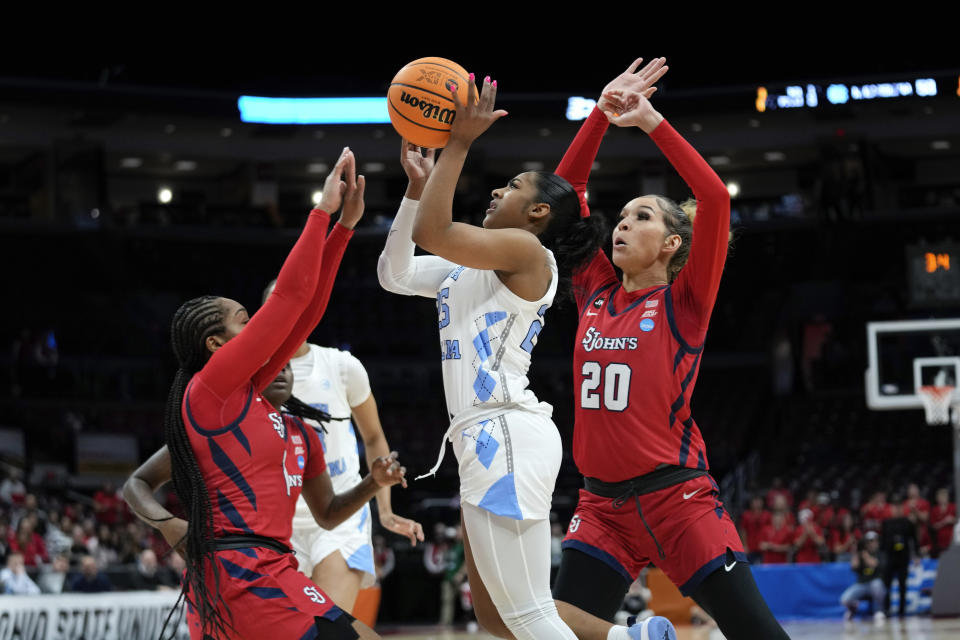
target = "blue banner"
x: 813, y: 590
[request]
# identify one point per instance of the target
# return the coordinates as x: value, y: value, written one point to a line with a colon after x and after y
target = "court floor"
x: 914, y: 628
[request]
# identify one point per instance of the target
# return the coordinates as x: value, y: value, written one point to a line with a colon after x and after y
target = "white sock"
x: 618, y: 633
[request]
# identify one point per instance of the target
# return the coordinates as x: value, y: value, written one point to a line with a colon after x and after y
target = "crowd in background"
x: 819, y: 528
x: 85, y: 544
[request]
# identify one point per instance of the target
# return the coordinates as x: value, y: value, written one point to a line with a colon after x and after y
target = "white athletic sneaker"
x: 879, y: 618
x: 655, y: 628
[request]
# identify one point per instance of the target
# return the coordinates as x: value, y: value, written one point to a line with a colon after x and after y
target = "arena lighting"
x: 797, y: 96
x: 131, y: 163
x: 317, y: 167
x: 316, y: 197
x: 578, y: 108
x: 184, y: 165
x: 313, y: 110
x: 164, y: 195
x: 733, y: 188
x: 940, y: 145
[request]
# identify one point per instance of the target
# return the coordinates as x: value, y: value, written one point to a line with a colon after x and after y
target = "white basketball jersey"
x: 333, y: 381
x: 487, y: 334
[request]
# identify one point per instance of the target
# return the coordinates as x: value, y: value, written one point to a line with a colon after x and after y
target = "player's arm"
x: 329, y: 509
x: 237, y: 361
x: 336, y: 244
x: 398, y: 270
x: 697, y: 285
x: 367, y: 420
x: 580, y: 155
x: 139, y: 491
x: 511, y: 251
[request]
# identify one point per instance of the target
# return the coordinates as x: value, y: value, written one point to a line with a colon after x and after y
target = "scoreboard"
x: 933, y: 274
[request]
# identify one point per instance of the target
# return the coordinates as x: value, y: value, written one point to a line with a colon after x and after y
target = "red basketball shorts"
x: 267, y: 597
x: 687, y: 519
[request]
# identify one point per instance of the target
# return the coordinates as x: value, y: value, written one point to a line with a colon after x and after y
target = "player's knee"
x: 520, y: 620
x: 490, y: 620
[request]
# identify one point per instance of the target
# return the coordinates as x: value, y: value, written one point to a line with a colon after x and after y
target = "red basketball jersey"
x: 638, y: 353
x: 254, y: 467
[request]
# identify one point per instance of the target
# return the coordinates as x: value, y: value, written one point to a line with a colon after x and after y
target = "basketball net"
x: 936, y: 403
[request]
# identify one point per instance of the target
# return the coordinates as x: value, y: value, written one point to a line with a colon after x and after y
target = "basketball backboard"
x: 904, y: 355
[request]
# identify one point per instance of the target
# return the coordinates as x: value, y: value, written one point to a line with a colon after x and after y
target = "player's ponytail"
x: 297, y: 407
x: 678, y: 219
x: 193, y: 323
x: 574, y: 240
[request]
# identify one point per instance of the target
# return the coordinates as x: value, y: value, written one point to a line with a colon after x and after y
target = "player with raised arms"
x: 493, y: 286
x: 237, y: 467
x: 648, y: 494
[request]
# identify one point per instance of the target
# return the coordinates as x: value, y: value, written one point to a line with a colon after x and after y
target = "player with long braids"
x: 236, y: 467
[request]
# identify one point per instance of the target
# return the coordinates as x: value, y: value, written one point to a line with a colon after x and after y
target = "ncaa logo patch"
x: 300, y: 462
x: 646, y: 324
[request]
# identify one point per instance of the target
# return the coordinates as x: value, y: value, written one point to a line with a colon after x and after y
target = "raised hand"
x: 632, y: 80
x: 343, y: 176
x: 412, y: 529
x: 353, y: 204
x: 417, y: 166
x: 386, y: 471
x: 476, y: 116
x: 633, y: 110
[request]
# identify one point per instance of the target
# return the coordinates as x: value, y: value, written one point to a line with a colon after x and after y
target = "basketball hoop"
x: 936, y: 403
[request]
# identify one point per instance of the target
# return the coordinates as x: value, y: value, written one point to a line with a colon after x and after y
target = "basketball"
x: 420, y: 105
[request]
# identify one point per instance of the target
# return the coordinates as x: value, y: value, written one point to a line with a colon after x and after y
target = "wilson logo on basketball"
x: 433, y: 77
x: 430, y: 110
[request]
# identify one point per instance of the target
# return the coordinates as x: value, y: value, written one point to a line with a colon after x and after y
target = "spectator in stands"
x: 866, y: 564
x: 30, y: 509
x: 752, y: 522
x: 943, y: 516
x: 14, y: 578
x: 56, y: 540
x: 776, y: 539
x: 915, y: 504
x: 90, y: 579
x: 434, y: 552
x: 108, y: 505
x: 53, y: 577
x: 79, y: 547
x: 782, y: 505
x: 845, y: 539
x: 27, y: 542
x: 875, y: 511
x: 810, y: 502
x: 831, y: 514
x: 4, y: 537
x: 105, y: 550
x: 808, y: 539
x: 383, y: 558
x: 898, y: 542
x: 12, y: 490
x: 777, y: 489
x: 150, y: 576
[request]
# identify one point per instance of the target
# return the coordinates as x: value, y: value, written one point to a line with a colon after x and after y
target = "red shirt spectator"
x: 778, y: 490
x: 752, y: 523
x: 844, y: 538
x: 875, y: 512
x: 108, y: 505
x: 915, y: 505
x: 29, y: 543
x: 776, y: 540
x: 807, y: 539
x: 943, y: 516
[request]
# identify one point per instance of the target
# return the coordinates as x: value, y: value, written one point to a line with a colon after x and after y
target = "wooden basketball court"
x: 910, y: 629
